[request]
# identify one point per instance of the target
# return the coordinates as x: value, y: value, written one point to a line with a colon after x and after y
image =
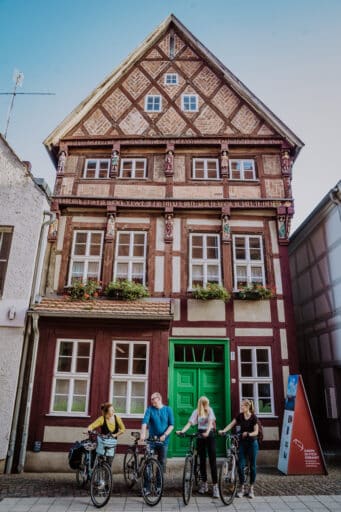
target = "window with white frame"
x: 130, y: 377
x: 204, y: 264
x: 86, y: 256
x: 255, y: 378
x: 130, y: 258
x: 248, y: 260
x: 133, y: 168
x: 96, y: 168
x: 205, y: 169
x: 242, y: 170
x: 71, y: 379
x: 189, y: 102
x: 171, y: 79
x: 153, y: 103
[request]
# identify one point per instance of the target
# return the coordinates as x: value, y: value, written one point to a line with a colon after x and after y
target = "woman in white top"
x: 204, y: 417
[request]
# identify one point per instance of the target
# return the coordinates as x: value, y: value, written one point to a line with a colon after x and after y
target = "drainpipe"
x: 23, y: 447
x: 23, y: 363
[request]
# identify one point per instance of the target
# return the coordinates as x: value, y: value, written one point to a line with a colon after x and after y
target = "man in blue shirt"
x: 159, y: 419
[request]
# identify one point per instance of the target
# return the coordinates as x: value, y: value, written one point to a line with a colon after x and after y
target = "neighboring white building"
x: 315, y: 256
x: 23, y: 203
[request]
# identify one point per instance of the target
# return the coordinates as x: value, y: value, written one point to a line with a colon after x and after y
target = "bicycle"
x: 191, y: 472
x: 85, y: 469
x: 228, y: 474
x: 145, y: 466
x: 101, y: 477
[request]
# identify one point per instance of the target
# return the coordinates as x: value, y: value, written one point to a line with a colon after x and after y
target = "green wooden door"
x: 197, y: 369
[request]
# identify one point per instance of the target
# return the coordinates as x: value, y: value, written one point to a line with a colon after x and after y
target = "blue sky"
x: 287, y: 53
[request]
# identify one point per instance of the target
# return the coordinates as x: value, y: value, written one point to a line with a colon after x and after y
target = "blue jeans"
x: 248, y: 450
x: 161, y: 452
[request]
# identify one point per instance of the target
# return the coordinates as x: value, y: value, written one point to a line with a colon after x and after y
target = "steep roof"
x: 71, y: 121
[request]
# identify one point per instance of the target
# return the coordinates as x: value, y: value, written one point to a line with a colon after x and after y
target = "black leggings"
x: 202, y: 444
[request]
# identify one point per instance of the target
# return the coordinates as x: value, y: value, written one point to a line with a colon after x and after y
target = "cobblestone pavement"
x: 270, y: 482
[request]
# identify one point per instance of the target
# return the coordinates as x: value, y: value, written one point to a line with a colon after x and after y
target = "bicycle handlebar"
x: 194, y: 434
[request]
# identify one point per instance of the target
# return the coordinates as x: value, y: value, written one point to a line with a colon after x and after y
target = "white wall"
x: 22, y: 204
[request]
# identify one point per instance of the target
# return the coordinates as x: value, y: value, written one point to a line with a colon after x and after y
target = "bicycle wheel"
x: 82, y: 472
x: 130, y: 468
x: 100, y: 484
x: 152, y: 482
x: 187, y: 479
x: 228, y: 480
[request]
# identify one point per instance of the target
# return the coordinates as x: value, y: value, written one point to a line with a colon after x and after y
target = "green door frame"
x: 207, y: 341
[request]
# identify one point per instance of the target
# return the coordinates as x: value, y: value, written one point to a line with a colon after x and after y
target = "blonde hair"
x: 203, y: 406
x: 249, y: 404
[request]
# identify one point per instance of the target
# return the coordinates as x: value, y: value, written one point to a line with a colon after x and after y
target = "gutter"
x: 23, y: 364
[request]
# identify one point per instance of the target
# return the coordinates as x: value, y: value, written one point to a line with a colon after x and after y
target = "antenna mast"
x: 18, y: 78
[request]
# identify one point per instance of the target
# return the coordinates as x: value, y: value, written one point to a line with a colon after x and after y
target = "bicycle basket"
x: 106, y: 446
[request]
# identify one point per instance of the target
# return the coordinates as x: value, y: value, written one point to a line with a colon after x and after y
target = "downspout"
x: 23, y: 363
x: 23, y: 447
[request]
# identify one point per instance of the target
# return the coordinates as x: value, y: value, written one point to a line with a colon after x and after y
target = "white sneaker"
x: 203, y: 488
x: 251, y: 492
x: 215, y: 492
x: 241, y: 492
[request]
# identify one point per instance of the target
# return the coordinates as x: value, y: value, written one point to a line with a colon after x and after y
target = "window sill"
x: 67, y: 415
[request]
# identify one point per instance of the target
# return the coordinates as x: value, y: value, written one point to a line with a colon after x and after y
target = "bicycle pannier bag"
x: 75, y: 455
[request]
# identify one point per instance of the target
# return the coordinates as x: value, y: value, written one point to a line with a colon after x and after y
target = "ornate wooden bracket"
x: 169, y: 225
x: 225, y: 225
x: 115, y: 160
x: 169, y: 160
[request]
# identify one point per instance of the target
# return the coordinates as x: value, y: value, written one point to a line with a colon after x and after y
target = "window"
x: 205, y: 169
x: 130, y: 260
x: 255, y: 378
x: 133, y: 168
x: 96, y: 168
x: 204, y: 265
x: 248, y: 260
x: 130, y: 377
x: 71, y: 380
x: 86, y: 256
x: 242, y: 170
x: 171, y: 79
x: 6, y: 234
x: 189, y: 102
x: 153, y: 103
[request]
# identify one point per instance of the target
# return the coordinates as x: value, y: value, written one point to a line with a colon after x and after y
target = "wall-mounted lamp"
x: 11, y: 313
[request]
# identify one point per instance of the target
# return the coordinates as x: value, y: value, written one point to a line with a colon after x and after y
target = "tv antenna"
x: 18, y: 78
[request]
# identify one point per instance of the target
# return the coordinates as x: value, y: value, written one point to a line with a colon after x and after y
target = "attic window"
x: 171, y: 79
x: 153, y: 103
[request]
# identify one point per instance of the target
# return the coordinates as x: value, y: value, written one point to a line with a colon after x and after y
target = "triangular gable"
x: 226, y: 106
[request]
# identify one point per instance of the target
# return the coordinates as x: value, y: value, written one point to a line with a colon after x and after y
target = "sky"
x: 287, y: 53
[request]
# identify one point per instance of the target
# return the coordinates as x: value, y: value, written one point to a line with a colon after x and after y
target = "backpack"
x: 75, y: 455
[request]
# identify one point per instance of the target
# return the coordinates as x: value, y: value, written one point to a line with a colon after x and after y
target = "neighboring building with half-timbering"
x: 172, y: 174
x: 315, y: 255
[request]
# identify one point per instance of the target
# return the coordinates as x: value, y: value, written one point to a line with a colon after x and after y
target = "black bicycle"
x: 145, y: 466
x: 101, y: 477
x: 228, y: 474
x: 191, y: 472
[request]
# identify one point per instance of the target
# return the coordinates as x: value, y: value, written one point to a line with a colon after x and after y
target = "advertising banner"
x: 300, y: 451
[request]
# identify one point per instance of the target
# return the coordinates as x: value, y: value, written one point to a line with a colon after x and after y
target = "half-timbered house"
x: 171, y: 173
